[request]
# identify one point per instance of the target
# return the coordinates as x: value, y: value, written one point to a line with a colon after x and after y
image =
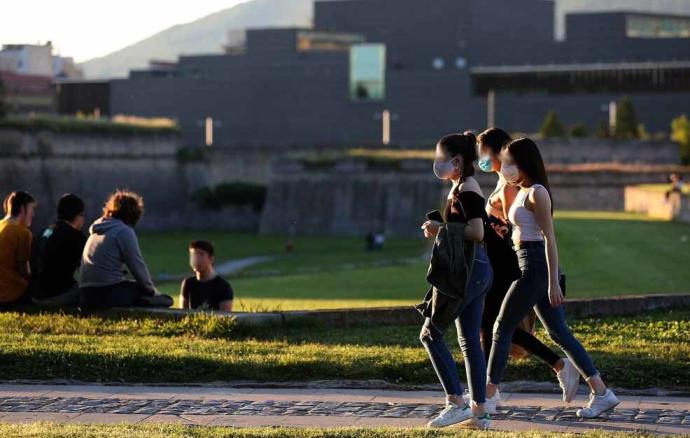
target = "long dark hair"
x: 464, y: 145
x: 528, y: 158
x: 495, y: 139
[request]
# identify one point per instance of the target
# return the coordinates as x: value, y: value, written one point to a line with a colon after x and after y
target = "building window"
x: 368, y: 71
x: 640, y: 26
x: 438, y: 63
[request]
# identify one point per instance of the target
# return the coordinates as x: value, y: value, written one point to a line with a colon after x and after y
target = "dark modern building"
x: 431, y: 64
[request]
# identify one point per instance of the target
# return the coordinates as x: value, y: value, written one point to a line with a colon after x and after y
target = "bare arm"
x: 541, y: 205
x: 184, y: 301
x: 475, y: 229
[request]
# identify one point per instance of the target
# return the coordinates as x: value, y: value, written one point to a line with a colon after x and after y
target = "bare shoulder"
x: 540, y: 196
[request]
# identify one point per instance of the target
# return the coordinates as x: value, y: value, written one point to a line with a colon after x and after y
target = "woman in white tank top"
x: 538, y: 287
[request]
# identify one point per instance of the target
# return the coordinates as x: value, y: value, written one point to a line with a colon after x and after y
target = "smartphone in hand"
x: 435, y: 215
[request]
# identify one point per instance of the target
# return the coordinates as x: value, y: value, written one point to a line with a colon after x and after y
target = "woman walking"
x: 538, y: 286
x: 497, y: 236
x: 455, y: 156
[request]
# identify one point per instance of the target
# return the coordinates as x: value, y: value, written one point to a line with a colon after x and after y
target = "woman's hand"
x: 430, y: 228
x: 555, y: 294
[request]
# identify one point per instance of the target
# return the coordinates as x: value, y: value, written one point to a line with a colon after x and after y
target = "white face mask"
x: 510, y: 173
x: 444, y: 169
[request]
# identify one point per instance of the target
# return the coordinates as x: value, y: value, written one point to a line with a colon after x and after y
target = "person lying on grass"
x: 205, y: 289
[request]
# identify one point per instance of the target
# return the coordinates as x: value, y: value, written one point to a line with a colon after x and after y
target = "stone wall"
x: 356, y: 196
x: 347, y: 197
x: 92, y: 166
x: 609, y: 151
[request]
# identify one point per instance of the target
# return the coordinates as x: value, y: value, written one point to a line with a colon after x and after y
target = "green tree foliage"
x: 680, y: 133
x: 626, y: 120
x: 579, y: 130
x: 552, y: 126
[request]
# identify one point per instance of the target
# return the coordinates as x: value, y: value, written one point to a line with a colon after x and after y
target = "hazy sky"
x: 86, y: 29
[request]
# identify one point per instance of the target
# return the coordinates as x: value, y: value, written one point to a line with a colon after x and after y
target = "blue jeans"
x: 531, y: 290
x: 468, y: 324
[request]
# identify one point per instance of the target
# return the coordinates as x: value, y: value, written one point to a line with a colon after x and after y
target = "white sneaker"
x: 481, y: 423
x: 569, y: 380
x: 598, y: 404
x: 452, y: 414
x: 492, y: 403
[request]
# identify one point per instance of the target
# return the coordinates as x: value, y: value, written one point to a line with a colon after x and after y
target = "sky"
x: 86, y: 29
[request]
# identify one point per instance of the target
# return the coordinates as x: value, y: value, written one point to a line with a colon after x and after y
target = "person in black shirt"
x: 206, y: 289
x: 57, y: 255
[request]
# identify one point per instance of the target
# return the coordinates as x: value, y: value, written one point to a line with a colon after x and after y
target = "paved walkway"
x: 229, y: 406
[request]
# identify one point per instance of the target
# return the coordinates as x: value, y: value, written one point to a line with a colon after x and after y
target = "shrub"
x: 680, y: 133
x: 81, y: 125
x: 603, y: 130
x: 552, y: 126
x: 579, y: 131
x: 232, y: 193
x: 189, y: 154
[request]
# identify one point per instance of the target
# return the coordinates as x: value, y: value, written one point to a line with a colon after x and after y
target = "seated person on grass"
x: 15, y: 248
x: 112, y: 244
x: 206, y: 289
x: 57, y: 255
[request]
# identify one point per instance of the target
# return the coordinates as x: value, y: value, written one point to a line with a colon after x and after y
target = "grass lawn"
x: 52, y: 430
x: 650, y: 350
x: 603, y: 254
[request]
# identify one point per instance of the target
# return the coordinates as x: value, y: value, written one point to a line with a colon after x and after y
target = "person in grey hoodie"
x: 112, y: 245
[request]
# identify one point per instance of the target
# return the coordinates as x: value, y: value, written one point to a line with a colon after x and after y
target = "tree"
x: 680, y: 133
x: 603, y: 130
x: 3, y: 106
x: 579, y: 130
x: 552, y: 126
x: 626, y: 120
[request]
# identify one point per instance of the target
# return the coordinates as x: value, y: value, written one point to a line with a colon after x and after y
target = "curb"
x: 579, y: 307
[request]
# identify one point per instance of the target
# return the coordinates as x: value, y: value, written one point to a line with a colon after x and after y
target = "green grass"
x: 652, y: 350
x: 55, y: 430
x: 167, y: 253
x: 603, y: 254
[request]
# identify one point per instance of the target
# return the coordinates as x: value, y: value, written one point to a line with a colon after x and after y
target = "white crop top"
x: 525, y: 227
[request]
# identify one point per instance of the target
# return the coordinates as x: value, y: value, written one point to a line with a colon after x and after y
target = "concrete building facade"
x: 425, y: 68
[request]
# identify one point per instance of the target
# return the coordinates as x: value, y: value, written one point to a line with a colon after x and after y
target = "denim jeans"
x: 468, y: 325
x: 531, y: 290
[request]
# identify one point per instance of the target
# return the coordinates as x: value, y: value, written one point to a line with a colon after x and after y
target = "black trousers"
x: 492, y: 305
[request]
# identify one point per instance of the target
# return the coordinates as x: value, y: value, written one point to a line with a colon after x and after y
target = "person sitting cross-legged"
x: 57, y: 255
x: 205, y: 289
x: 113, y: 243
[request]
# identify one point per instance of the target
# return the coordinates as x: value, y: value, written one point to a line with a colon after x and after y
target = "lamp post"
x: 386, y: 118
x: 208, y: 124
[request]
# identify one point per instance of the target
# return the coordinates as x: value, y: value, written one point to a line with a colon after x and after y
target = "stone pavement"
x: 228, y: 406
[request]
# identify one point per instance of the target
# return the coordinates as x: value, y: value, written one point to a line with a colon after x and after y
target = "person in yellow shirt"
x: 15, y: 247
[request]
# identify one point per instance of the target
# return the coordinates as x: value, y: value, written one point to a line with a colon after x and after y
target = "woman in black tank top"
x: 504, y: 261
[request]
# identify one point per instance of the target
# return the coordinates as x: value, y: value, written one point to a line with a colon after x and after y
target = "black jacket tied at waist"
x: 449, y: 271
